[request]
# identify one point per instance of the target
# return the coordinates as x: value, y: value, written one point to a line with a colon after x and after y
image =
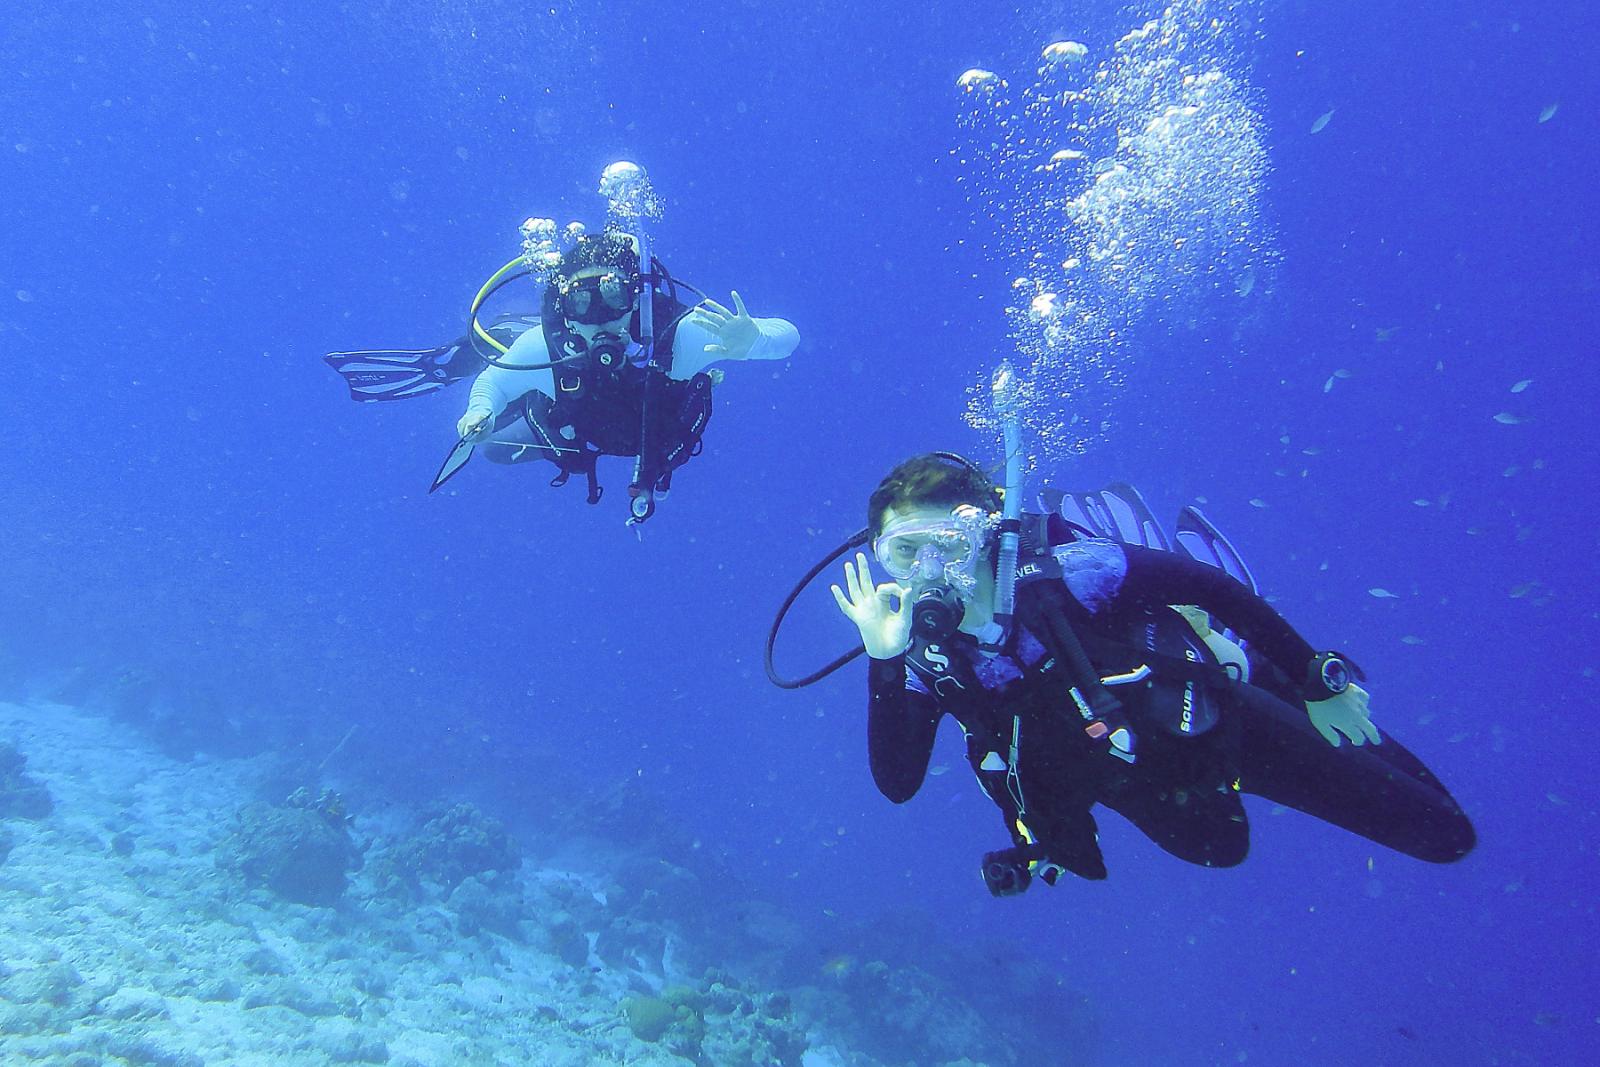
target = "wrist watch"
x: 1328, y: 675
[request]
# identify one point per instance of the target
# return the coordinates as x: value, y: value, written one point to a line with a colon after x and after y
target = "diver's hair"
x: 611, y: 247
x: 929, y: 480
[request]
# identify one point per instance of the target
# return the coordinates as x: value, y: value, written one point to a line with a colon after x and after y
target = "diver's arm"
x: 901, y: 725
x: 778, y: 340
x: 712, y: 332
x: 1153, y: 574
x: 497, y: 387
x: 1155, y: 577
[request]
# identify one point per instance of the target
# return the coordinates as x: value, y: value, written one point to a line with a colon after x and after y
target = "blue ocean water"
x: 198, y: 205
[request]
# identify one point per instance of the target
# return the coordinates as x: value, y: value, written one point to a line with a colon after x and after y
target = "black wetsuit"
x: 1029, y: 750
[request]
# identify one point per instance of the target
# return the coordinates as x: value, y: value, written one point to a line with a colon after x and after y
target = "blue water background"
x: 195, y: 206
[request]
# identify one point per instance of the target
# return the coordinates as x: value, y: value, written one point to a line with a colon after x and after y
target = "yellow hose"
x: 483, y: 294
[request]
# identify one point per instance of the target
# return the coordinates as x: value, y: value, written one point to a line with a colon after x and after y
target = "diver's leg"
x: 516, y: 440
x: 1201, y: 823
x: 1381, y: 792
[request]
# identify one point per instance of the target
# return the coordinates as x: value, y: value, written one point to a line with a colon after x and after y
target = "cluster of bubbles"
x: 1119, y: 196
x: 544, y: 243
x: 631, y: 203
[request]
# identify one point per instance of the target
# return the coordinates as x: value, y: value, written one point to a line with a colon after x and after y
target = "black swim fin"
x: 1201, y: 541
x: 1116, y: 512
x: 402, y: 373
x: 459, y: 454
x: 399, y: 374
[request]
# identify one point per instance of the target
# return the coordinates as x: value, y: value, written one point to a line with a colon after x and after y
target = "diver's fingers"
x: 851, y: 588
x: 738, y: 302
x: 1371, y: 731
x: 854, y: 571
x: 1328, y: 733
x: 844, y: 604
x: 711, y: 306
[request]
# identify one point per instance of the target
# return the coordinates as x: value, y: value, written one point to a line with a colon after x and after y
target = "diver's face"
x: 615, y: 328
x: 902, y: 553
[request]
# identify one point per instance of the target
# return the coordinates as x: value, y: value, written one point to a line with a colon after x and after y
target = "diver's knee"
x: 1453, y: 841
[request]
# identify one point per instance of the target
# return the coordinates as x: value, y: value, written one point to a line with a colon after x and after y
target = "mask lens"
x: 597, y: 300
x: 914, y: 551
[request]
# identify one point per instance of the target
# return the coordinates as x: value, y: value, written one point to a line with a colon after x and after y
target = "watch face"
x: 1335, y: 675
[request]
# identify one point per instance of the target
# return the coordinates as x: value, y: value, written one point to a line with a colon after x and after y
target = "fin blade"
x: 1200, y: 540
x: 1118, y: 513
x: 457, y: 458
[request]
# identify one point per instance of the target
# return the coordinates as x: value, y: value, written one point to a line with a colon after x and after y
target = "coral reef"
x: 124, y: 938
x: 301, y: 849
x: 21, y: 795
x: 452, y: 845
x: 718, y: 1025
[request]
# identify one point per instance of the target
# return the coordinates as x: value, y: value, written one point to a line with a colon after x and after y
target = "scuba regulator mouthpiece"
x: 608, y: 353
x: 936, y: 612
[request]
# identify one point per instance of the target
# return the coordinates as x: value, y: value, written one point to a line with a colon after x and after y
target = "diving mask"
x: 924, y: 550
x: 597, y: 299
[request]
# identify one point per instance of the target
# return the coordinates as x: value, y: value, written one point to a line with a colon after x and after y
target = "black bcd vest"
x: 621, y: 408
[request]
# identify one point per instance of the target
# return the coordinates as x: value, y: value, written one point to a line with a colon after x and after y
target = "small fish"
x: 1520, y: 386
x: 1505, y: 418
x: 1327, y: 386
x: 1312, y: 451
x: 1257, y: 502
x: 1421, y: 503
x: 1522, y: 590
x: 839, y: 966
x: 1322, y: 121
x: 1557, y: 801
x: 1386, y: 332
x: 1382, y: 593
x: 1548, y: 113
x: 1341, y: 373
x: 1412, y: 639
x: 1511, y: 471
x: 939, y: 769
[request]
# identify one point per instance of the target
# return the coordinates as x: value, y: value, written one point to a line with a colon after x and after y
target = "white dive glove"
x: 1344, y: 714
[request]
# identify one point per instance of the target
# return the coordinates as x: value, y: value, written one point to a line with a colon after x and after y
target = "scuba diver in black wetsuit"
x: 615, y: 364
x: 1095, y: 690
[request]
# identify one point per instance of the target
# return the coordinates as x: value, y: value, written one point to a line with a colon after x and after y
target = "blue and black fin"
x: 1201, y: 541
x: 399, y: 374
x: 1118, y: 512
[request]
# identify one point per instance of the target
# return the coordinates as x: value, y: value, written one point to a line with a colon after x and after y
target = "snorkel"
x: 1004, y: 391
x: 630, y: 202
